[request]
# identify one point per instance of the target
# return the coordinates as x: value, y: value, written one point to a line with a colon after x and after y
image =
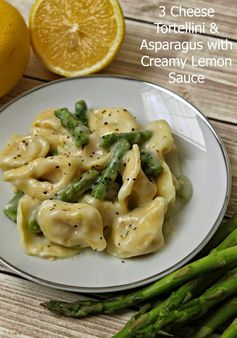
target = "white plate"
x: 204, y: 161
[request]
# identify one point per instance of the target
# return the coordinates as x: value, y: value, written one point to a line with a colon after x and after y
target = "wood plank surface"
x: 221, y: 85
x: 148, y: 10
x: 22, y: 316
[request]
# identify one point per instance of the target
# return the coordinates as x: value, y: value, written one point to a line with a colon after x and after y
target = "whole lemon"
x: 14, y: 46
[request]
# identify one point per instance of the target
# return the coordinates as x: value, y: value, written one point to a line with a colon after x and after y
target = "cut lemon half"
x: 76, y: 37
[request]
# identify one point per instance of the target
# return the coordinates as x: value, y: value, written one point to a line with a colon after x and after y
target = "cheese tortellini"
x: 137, y: 189
x: 22, y: 149
x: 107, y: 121
x: 58, y: 212
x: 138, y: 232
x: 47, y: 125
x: 34, y: 244
x: 44, y: 177
x: 71, y: 224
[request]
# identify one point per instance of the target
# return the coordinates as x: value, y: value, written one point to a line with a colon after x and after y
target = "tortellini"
x: 43, y: 177
x: 138, y: 232
x: 108, y: 210
x: 91, y: 155
x: 48, y: 125
x: 162, y: 139
x: 71, y: 225
x: 112, y: 120
x: 166, y: 185
x: 137, y: 189
x: 33, y: 244
x: 22, y: 149
x: 47, y: 166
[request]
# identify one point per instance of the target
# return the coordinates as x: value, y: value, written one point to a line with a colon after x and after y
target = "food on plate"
x: 93, y: 178
x: 197, y: 298
x: 75, y: 38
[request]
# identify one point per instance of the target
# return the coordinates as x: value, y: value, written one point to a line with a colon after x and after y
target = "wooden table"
x: 20, y: 313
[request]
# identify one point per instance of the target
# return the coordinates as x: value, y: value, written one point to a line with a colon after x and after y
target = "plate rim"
x: 155, y: 277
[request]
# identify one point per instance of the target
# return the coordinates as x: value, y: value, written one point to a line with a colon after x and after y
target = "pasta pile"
x: 90, y: 179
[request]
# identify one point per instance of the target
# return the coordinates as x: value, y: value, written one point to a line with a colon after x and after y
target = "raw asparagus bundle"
x: 181, y: 303
x: 183, y: 294
x: 226, y: 311
x: 166, y: 284
x: 225, y: 287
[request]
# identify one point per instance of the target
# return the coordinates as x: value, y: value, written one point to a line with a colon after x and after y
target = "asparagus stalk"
x: 74, y: 190
x: 178, y: 298
x: 143, y: 318
x: 135, y: 137
x: 150, y: 164
x: 10, y: 209
x: 217, y: 318
x: 211, y: 262
x: 222, y: 232
x: 196, y: 308
x: 81, y: 112
x: 111, y: 171
x: 79, y: 131
x: 231, y: 331
x: 229, y: 241
x: 34, y: 227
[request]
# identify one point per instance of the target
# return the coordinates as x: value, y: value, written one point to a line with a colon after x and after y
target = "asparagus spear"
x: 34, y: 227
x: 80, y: 112
x: 10, y: 209
x: 178, y: 298
x: 133, y: 137
x: 217, y: 318
x: 79, y: 131
x: 231, y: 331
x: 150, y: 164
x: 73, y: 191
x: 111, y: 171
x: 211, y: 262
x: 229, y: 241
x: 196, y: 308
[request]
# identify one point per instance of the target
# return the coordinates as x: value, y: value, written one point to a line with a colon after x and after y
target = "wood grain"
x: 221, y: 86
x: 21, y: 87
x: 148, y: 10
x: 22, y: 316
